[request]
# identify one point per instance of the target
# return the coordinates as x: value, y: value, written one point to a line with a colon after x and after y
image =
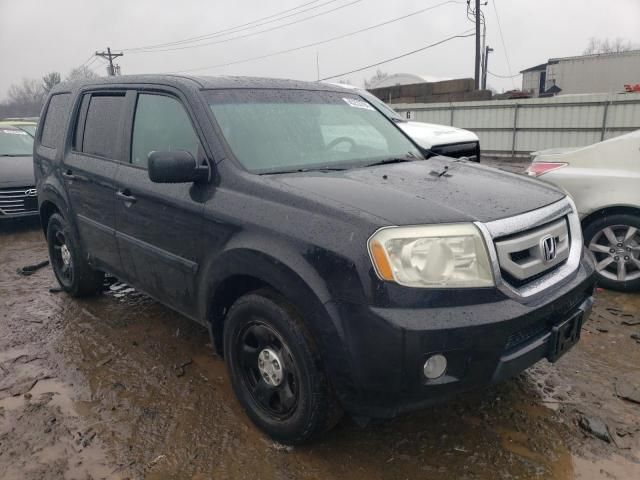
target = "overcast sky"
x: 39, y: 36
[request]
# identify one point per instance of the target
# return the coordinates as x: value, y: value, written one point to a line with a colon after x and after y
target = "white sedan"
x: 604, y: 181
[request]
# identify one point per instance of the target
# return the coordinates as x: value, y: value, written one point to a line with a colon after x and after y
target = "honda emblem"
x: 548, y: 248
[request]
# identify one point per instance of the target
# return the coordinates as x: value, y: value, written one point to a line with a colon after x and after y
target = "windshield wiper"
x: 410, y: 157
x: 304, y: 170
x: 321, y: 169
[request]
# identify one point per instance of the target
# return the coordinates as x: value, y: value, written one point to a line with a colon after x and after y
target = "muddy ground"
x: 119, y: 387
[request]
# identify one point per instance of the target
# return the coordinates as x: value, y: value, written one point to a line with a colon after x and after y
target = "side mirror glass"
x: 175, y: 167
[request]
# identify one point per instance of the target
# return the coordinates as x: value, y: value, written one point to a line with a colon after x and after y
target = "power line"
x: 226, y: 30
x: 504, y: 46
x: 314, y: 44
x: 503, y: 76
x: 235, y: 29
x: 246, y: 35
x: 463, y: 35
x: 89, y: 60
x: 90, y: 63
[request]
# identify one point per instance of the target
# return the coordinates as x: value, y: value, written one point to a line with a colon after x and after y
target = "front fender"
x: 287, y: 271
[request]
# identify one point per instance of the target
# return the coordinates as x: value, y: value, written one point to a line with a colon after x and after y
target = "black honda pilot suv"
x: 335, y: 268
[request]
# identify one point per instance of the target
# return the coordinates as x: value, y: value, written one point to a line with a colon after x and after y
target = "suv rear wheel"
x: 615, y: 242
x: 71, y: 269
x: 275, y: 370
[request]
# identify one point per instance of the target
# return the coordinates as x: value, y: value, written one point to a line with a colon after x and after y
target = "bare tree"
x: 599, y: 45
x: 81, y: 73
x: 23, y: 99
x: 380, y: 75
x: 50, y: 80
x: 29, y: 90
x: 26, y: 98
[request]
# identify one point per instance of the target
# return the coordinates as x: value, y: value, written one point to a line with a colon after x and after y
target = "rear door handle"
x: 125, y: 196
x: 68, y: 174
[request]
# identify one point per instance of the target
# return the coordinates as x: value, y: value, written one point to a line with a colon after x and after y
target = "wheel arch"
x: 47, y: 209
x: 239, y: 271
x: 610, y: 210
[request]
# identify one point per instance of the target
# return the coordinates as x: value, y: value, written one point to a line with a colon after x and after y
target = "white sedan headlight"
x: 432, y: 256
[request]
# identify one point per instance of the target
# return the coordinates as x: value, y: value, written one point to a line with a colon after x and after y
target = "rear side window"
x: 161, y: 124
x: 55, y: 120
x: 101, y: 126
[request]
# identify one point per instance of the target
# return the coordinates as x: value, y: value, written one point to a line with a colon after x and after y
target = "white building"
x: 601, y: 73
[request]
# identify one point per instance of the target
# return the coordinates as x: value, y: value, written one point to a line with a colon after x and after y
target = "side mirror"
x: 175, y: 167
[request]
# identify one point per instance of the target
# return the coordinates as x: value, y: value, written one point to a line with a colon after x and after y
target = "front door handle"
x: 68, y: 174
x: 125, y: 196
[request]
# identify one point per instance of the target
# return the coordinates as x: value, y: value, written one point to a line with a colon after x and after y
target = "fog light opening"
x: 435, y: 366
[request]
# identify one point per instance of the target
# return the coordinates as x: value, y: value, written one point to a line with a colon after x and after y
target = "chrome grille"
x: 521, y: 256
x: 561, y: 214
x: 18, y: 200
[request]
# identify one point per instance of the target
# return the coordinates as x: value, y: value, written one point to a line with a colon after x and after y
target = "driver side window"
x: 161, y: 124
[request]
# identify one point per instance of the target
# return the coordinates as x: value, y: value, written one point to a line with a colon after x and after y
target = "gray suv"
x: 18, y: 196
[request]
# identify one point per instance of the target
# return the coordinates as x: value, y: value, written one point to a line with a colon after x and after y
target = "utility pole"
x: 485, y: 66
x: 483, y: 49
x: 112, y: 69
x: 477, y: 64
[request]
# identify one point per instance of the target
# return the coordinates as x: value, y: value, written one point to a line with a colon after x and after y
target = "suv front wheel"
x: 73, y: 272
x: 275, y: 370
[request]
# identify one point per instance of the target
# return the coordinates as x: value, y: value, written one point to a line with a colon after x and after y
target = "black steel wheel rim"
x: 62, y: 259
x: 277, y: 400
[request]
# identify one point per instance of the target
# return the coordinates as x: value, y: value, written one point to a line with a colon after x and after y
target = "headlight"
x: 432, y: 256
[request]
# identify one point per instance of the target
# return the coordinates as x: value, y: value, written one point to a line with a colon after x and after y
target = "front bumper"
x: 484, y: 343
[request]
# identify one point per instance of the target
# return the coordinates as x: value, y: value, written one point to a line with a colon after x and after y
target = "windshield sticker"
x: 357, y: 103
x: 14, y: 132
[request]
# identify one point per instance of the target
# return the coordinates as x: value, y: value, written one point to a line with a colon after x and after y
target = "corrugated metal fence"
x: 518, y: 127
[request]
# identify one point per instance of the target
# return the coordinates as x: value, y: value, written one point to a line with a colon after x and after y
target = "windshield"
x: 273, y: 131
x: 15, y: 143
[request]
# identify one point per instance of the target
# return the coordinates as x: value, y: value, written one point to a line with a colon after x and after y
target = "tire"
x: 615, y: 242
x: 290, y: 399
x: 73, y: 272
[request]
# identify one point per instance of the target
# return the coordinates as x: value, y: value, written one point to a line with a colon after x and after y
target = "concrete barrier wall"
x: 458, y: 90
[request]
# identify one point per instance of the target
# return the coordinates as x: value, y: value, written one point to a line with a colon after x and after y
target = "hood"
x: 16, y: 172
x: 428, y: 135
x: 424, y: 192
